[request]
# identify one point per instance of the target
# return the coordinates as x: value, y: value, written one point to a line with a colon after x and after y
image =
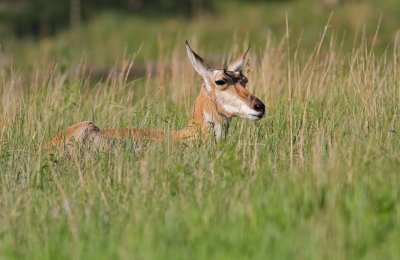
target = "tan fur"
x: 210, y: 112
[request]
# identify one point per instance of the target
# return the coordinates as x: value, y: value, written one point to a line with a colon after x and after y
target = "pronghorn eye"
x: 220, y: 82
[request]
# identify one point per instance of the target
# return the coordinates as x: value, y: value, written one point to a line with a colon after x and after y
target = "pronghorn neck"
x: 206, y: 114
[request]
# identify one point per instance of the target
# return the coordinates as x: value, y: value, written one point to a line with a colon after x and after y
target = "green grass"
x: 108, y: 36
x: 318, y: 178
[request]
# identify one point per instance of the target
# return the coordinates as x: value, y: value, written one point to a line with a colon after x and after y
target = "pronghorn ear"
x: 237, y: 64
x: 198, y: 63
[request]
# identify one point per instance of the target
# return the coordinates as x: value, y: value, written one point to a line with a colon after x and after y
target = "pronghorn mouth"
x: 256, y: 117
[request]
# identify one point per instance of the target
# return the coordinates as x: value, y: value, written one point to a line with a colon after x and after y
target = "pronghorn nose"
x: 257, y: 105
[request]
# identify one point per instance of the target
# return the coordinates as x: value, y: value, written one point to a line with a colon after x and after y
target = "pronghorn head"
x: 228, y: 88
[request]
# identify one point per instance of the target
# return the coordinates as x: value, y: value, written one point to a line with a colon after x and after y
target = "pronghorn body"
x: 222, y: 97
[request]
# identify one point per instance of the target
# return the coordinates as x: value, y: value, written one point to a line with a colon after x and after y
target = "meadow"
x: 317, y: 178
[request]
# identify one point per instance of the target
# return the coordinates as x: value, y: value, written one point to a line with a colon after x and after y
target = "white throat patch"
x: 219, y: 128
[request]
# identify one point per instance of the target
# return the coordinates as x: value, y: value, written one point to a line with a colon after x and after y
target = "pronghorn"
x: 223, y: 96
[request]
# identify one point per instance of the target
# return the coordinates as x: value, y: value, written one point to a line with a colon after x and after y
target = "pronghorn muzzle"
x: 257, y: 105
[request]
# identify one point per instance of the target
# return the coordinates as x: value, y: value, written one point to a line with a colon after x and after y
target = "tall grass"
x: 317, y: 178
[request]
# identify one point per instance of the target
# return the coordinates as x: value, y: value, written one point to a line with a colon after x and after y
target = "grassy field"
x: 109, y: 35
x: 318, y: 178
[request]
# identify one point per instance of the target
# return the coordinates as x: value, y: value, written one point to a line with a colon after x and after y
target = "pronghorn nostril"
x: 258, y: 105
